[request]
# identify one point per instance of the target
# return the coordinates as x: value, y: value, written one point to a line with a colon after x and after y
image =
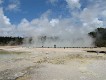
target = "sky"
x: 51, y: 17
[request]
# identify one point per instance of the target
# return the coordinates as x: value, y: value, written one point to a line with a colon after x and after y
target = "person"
x: 54, y: 46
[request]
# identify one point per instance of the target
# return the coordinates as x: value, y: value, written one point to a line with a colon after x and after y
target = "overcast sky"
x: 51, y: 17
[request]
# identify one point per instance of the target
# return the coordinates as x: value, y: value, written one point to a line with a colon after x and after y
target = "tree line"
x: 99, y: 36
x: 11, y: 40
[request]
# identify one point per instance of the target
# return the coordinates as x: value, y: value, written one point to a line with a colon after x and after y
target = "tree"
x: 99, y: 36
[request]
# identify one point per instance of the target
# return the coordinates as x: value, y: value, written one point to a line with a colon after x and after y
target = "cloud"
x: 52, y: 1
x: 1, y: 1
x: 46, y: 14
x: 92, y: 16
x: 73, y: 4
x: 14, y: 5
x: 104, y: 13
x: 3, y: 18
x: 53, y: 22
x: 6, y: 28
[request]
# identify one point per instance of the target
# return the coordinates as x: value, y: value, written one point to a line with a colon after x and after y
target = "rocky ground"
x: 21, y: 63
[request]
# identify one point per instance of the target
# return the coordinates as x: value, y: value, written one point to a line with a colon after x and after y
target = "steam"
x: 59, y: 32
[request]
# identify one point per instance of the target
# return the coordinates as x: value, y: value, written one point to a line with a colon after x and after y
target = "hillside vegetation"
x: 99, y: 36
x: 11, y: 41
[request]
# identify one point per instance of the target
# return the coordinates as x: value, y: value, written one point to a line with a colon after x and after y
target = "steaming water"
x: 9, y: 56
x: 60, y: 42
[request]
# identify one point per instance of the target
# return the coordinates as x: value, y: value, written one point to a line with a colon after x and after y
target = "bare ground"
x: 52, y: 64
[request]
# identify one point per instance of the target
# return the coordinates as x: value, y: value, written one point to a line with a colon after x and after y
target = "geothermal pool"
x: 21, y: 63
